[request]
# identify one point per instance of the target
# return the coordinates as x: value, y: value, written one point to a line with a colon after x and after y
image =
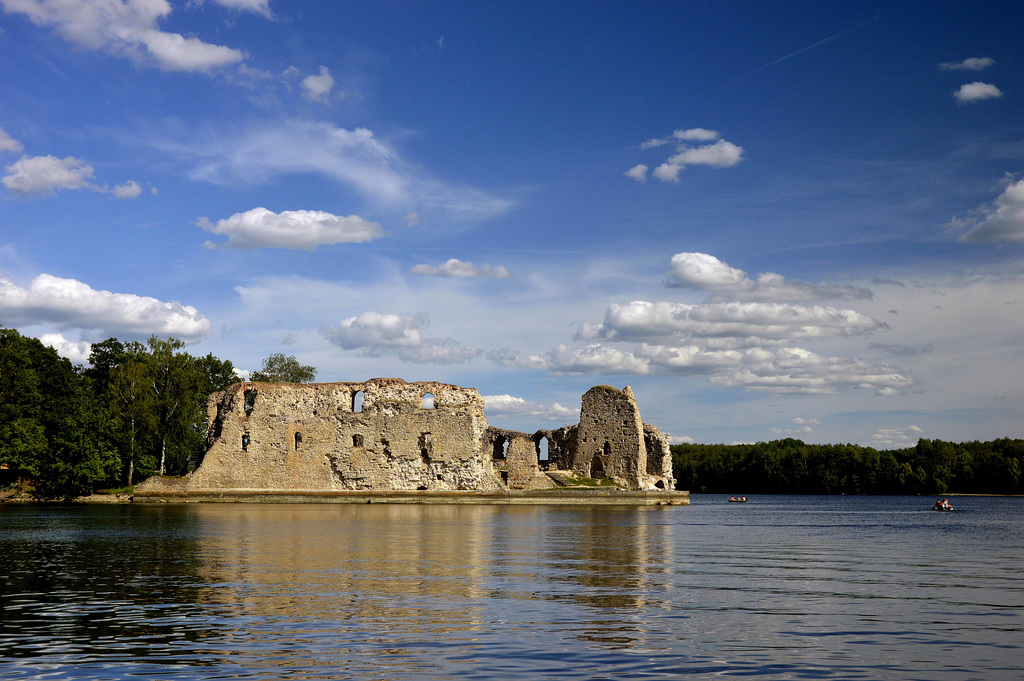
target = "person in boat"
x: 732, y: 498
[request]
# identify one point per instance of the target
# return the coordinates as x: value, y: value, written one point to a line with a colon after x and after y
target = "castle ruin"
x: 387, y: 435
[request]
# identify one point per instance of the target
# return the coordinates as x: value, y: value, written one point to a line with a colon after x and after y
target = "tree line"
x: 793, y: 467
x: 137, y: 409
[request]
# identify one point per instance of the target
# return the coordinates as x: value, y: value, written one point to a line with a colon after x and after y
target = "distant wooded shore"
x: 793, y: 467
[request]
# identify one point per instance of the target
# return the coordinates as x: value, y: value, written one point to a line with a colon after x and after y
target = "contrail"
x: 811, y: 47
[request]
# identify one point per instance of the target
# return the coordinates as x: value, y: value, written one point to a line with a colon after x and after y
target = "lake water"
x: 777, y: 588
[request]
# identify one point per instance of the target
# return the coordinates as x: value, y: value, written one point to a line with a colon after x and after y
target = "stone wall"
x: 388, y: 435
x: 384, y: 434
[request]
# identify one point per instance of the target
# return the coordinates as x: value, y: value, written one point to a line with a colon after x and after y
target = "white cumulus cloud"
x: 8, y: 143
x: 638, y: 173
x: 976, y: 92
x: 374, y: 334
x: 721, y: 154
x: 128, y: 190
x: 458, y: 268
x: 128, y: 28
x: 646, y: 321
x: 38, y: 175
x: 508, y: 405
x: 71, y: 304
x: 744, y: 344
x: 718, y: 153
x: 293, y: 229
x: 779, y: 370
x: 1001, y: 221
x: 969, y: 64
x: 76, y: 351
x: 796, y: 370
x: 317, y: 88
x: 705, y: 272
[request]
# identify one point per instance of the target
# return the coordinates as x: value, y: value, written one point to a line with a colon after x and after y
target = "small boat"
x: 943, y: 505
x: 737, y: 499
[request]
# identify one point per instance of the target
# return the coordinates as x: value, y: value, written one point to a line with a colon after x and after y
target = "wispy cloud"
x: 893, y: 438
x: 969, y: 64
x: 460, y: 269
x: 811, y: 46
x: 261, y: 7
x: 358, y: 159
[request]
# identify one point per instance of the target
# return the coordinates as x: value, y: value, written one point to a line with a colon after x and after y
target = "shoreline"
x: 563, y: 497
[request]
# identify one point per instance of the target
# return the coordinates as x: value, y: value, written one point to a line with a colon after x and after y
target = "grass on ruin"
x: 117, y: 490
x: 591, y: 482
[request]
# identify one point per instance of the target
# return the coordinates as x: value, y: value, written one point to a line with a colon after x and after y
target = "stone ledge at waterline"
x: 385, y: 440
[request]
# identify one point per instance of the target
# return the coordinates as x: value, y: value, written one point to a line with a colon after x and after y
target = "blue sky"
x: 769, y: 219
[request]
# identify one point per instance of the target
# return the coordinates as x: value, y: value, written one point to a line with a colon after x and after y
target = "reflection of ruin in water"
x: 409, y: 564
x: 434, y: 568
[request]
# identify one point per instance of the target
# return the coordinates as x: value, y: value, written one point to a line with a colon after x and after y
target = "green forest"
x: 793, y: 467
x: 136, y: 410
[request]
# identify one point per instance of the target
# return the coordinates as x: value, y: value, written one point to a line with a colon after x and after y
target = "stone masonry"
x: 388, y: 435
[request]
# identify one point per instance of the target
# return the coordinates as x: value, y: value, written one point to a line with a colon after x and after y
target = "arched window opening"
x: 660, y: 484
x: 542, y: 449
x: 250, y: 401
x: 357, y: 401
x: 428, y: 401
x: 597, y: 467
x: 298, y: 441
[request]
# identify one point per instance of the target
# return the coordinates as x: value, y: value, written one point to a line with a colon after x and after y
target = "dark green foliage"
x: 793, y: 467
x: 136, y: 409
x: 52, y: 428
x: 281, y: 369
